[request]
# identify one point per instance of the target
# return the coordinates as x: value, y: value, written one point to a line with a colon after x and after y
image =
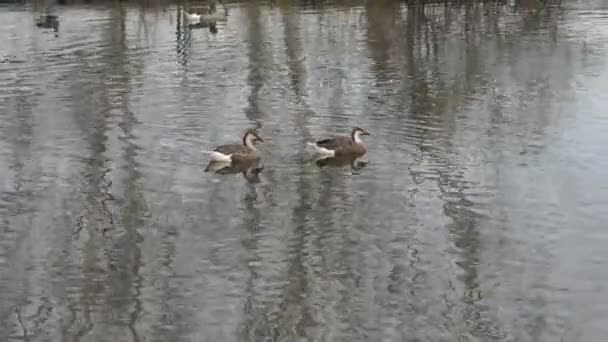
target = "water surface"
x: 480, y: 216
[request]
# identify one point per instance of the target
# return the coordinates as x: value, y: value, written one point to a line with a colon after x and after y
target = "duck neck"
x: 248, y: 141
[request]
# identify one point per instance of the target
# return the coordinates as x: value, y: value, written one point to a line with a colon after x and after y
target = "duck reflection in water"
x: 355, y: 162
x: 212, y: 26
x: 250, y: 169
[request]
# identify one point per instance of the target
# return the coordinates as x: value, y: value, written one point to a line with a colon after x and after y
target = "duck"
x: 193, y: 17
x: 351, y: 144
x: 212, y: 17
x: 209, y: 16
x: 48, y: 21
x: 238, y: 152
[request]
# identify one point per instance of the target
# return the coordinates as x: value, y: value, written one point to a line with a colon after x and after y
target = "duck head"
x: 357, y: 133
x: 251, y: 137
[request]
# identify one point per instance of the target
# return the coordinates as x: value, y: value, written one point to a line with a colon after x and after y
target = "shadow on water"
x: 249, y: 169
x: 356, y: 163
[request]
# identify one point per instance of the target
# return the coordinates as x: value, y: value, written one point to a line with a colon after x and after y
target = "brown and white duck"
x: 351, y: 144
x: 208, y: 16
x: 238, y: 152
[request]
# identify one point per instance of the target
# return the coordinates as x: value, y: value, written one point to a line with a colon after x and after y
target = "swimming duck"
x: 342, y: 145
x: 238, y: 152
x: 48, y: 21
x: 209, y: 16
x: 192, y: 17
x: 212, y: 17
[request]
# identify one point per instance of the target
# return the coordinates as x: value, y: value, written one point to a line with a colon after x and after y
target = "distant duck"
x: 48, y: 21
x: 351, y: 144
x: 193, y: 17
x: 238, y: 152
x: 212, y: 17
x: 209, y: 16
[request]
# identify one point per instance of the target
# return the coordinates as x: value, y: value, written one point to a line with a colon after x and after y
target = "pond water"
x: 480, y: 214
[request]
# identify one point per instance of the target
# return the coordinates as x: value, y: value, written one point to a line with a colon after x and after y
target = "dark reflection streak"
x: 257, y: 67
x: 18, y: 135
x: 464, y: 225
x: 86, y: 301
x: 472, y: 60
x: 73, y: 308
x: 91, y: 113
x: 297, y: 70
x: 383, y: 23
x: 329, y: 235
x: 295, y: 57
x: 418, y: 89
x: 379, y: 37
x: 255, y: 320
x: 134, y: 208
x: 142, y: 22
x: 259, y: 59
x: 380, y: 30
x: 183, y: 37
x: 95, y: 187
x: 134, y: 212
x: 294, y: 312
x: 167, y: 271
x: 25, y: 336
x: 296, y: 316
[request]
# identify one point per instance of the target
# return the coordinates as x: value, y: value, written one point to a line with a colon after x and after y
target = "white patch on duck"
x: 321, y: 150
x: 357, y: 137
x: 193, y: 17
x: 224, y: 153
x: 220, y: 157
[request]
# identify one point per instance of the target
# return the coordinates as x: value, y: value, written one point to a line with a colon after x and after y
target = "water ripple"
x: 478, y: 215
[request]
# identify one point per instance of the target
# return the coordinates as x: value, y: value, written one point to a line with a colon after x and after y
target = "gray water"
x: 480, y: 215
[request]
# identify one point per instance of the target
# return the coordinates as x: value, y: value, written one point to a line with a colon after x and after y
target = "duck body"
x: 193, y: 17
x: 340, y: 146
x: 208, y: 18
x: 238, y: 152
x: 48, y: 21
x: 232, y: 153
